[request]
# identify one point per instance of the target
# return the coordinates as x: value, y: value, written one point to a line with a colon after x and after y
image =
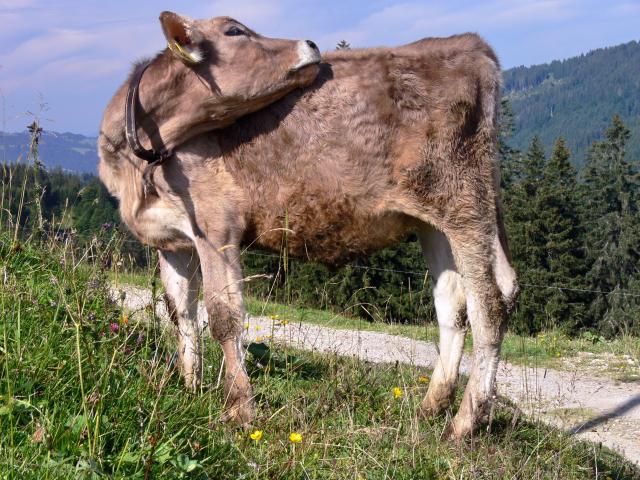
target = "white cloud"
x: 255, y: 13
x: 15, y: 4
x: 413, y: 20
x: 67, y: 74
x: 532, y: 10
x: 76, y: 55
x: 49, y: 45
x: 628, y: 8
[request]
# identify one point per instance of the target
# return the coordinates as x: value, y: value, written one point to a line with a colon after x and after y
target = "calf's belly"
x: 335, y: 240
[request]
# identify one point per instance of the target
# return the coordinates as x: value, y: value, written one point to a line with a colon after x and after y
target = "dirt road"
x: 597, y: 409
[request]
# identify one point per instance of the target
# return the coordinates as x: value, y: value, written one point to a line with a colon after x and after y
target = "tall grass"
x: 87, y: 393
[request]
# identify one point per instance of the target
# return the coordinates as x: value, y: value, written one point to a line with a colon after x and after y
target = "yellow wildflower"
x: 274, y: 317
x: 423, y: 379
x: 295, y: 437
x: 256, y: 436
x: 258, y: 339
x: 269, y: 337
x: 257, y: 328
x: 284, y: 322
x: 246, y: 326
x: 397, y: 392
x: 125, y: 319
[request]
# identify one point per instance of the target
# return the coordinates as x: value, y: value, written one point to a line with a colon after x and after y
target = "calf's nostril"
x: 312, y: 44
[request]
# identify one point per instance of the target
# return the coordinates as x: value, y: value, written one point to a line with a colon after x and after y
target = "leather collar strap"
x: 154, y: 157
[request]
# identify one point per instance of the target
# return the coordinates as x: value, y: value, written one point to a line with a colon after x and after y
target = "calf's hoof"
x: 427, y: 410
x: 239, y: 405
x: 435, y: 402
x: 192, y: 382
x: 460, y: 428
x: 242, y: 413
x: 467, y: 420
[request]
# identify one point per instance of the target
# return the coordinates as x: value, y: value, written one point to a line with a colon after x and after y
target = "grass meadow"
x: 86, y: 393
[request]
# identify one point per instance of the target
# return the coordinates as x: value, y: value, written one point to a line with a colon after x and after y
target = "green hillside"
x: 576, y: 98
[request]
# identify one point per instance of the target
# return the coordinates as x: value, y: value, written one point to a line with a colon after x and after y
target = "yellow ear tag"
x: 176, y: 48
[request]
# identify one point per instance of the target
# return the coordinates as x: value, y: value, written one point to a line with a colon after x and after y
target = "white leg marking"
x: 505, y: 274
x: 180, y: 277
x: 449, y: 300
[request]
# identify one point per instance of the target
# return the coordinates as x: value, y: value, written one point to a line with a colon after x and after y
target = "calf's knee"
x: 225, y: 321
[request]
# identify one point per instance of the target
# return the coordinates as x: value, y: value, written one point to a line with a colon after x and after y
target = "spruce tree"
x: 523, y: 222
x: 526, y: 239
x: 613, y: 236
x: 507, y: 156
x: 546, y: 238
x: 557, y: 203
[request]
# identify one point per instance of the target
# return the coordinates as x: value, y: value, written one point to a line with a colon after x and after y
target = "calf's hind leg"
x: 181, y: 279
x: 473, y: 251
x: 450, y: 303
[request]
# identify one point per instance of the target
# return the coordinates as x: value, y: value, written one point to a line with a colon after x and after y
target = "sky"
x: 62, y: 60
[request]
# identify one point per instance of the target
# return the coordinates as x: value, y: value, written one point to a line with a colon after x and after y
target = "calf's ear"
x: 183, y: 38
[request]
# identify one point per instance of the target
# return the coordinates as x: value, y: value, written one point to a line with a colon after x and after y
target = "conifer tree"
x: 523, y: 221
x: 507, y: 156
x: 557, y: 202
x: 526, y: 238
x: 611, y: 212
x: 546, y: 238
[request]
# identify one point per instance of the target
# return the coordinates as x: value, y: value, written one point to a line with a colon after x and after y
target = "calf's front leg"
x: 181, y: 279
x: 222, y: 280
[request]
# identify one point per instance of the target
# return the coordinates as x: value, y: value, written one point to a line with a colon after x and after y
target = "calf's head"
x: 212, y: 72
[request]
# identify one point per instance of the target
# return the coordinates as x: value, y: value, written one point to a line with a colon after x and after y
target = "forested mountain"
x: 576, y: 99
x: 68, y: 151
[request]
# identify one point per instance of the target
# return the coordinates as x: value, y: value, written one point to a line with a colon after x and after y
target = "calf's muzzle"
x: 308, y: 54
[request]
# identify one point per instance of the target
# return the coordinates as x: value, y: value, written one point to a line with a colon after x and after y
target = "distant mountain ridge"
x: 69, y: 151
x: 574, y: 98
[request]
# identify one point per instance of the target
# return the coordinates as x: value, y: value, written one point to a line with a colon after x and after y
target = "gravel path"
x: 600, y: 410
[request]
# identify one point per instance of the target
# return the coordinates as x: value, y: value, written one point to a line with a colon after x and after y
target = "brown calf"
x: 383, y: 142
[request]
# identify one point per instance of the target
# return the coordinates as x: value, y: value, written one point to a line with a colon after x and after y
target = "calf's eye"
x: 234, y: 32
